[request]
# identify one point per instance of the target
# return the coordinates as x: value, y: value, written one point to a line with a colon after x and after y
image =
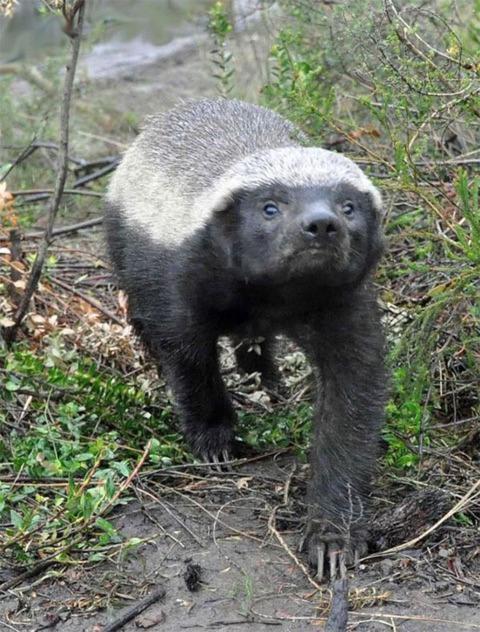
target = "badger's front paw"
x: 210, y: 443
x: 331, y: 550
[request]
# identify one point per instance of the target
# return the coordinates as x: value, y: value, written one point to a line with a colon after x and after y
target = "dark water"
x: 33, y: 33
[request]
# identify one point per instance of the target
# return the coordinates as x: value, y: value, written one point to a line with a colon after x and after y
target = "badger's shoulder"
x: 197, y: 141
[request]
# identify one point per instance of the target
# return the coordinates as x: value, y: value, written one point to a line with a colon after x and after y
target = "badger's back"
x: 179, y: 156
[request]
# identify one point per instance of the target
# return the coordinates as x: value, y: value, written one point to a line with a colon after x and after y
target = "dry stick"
x: 77, y: 11
x: 338, y: 618
x: 135, y: 610
x: 97, y: 162
x: 157, y: 500
x: 28, y: 574
x: 274, y: 531
x: 30, y: 73
x: 29, y: 149
x: 63, y: 230
x: 97, y: 174
x: 90, y: 300
x: 38, y: 192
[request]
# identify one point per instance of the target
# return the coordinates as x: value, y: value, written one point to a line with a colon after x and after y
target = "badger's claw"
x: 329, y: 548
x: 216, y: 463
x: 320, y: 561
x: 211, y: 443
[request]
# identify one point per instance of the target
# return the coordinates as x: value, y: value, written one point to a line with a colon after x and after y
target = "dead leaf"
x: 6, y: 198
x: 368, y: 130
x: 242, y: 483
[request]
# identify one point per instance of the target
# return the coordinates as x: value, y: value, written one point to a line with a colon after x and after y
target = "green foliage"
x: 88, y: 401
x: 78, y: 442
x: 84, y: 427
x: 298, y: 87
x: 397, y: 89
x: 468, y: 235
x: 219, y: 27
x: 407, y: 419
x: 280, y: 429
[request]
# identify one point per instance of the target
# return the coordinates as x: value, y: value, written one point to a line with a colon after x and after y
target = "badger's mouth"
x: 332, y: 256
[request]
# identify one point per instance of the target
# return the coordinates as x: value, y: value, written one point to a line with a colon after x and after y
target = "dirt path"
x: 218, y: 529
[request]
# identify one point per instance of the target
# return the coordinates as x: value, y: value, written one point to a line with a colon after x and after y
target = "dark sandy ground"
x: 222, y: 525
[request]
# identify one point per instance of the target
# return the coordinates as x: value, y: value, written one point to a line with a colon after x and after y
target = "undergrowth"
x: 398, y: 90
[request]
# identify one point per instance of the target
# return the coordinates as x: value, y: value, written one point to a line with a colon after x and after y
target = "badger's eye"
x: 348, y: 208
x: 270, y: 210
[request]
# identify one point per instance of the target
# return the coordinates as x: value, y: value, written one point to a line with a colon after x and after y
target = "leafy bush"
x: 397, y: 88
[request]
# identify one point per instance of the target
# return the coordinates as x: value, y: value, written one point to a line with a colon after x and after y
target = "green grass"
x: 82, y: 434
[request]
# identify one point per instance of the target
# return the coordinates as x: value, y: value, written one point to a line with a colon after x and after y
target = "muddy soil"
x: 228, y: 561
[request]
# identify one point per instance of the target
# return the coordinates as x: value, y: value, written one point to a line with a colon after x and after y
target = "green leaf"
x: 16, y: 519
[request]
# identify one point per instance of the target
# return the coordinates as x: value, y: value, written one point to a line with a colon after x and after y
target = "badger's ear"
x: 225, y: 195
x: 377, y: 202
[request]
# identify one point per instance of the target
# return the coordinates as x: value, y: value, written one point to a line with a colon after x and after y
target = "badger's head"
x: 287, y: 213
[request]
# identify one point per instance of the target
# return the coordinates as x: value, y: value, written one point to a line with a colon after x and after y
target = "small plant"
x: 219, y: 28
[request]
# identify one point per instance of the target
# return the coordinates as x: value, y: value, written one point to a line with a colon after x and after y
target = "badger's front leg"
x: 347, y: 348
x: 190, y: 365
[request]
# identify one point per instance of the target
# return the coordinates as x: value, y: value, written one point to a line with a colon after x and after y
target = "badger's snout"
x: 320, y: 226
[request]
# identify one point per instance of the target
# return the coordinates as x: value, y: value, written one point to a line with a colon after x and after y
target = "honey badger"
x: 220, y: 222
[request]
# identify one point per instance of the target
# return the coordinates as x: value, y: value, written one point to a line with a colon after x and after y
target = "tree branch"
x: 77, y: 13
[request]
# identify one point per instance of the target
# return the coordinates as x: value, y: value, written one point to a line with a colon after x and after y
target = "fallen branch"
x: 28, y: 574
x: 30, y: 74
x: 63, y: 230
x: 24, y: 154
x: 77, y: 14
x: 97, y: 174
x: 40, y: 195
x: 135, y: 610
x: 90, y: 300
x: 338, y: 618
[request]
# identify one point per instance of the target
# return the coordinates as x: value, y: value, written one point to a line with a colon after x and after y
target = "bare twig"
x: 63, y: 230
x: 90, y: 300
x: 274, y: 531
x: 30, y: 74
x: 103, y: 171
x: 76, y: 14
x: 135, y: 610
x: 28, y: 574
x: 338, y: 618
x: 24, y: 154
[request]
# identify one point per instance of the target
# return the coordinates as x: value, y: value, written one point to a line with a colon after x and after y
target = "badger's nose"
x: 320, y: 224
